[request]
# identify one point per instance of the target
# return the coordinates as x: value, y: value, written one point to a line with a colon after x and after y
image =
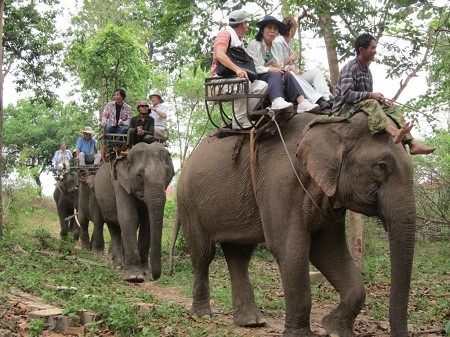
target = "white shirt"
x: 257, y: 50
x: 160, y: 123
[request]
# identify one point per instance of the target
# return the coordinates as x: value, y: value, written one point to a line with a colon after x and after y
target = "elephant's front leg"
x: 128, y: 220
x: 84, y: 225
x: 293, y: 259
x: 246, y: 312
x: 331, y: 257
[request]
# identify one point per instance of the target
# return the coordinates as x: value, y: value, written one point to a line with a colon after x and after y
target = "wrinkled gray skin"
x: 66, y: 199
x: 89, y: 210
x: 342, y: 166
x: 140, y: 192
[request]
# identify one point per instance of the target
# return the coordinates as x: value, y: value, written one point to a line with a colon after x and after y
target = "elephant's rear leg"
x: 246, y: 312
x: 202, y: 254
x: 329, y: 254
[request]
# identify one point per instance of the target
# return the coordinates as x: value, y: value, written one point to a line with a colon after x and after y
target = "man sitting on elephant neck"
x: 354, y: 93
x: 141, y: 127
x: 86, y: 152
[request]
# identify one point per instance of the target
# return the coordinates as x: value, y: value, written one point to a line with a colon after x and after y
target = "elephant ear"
x: 123, y: 176
x: 320, y: 152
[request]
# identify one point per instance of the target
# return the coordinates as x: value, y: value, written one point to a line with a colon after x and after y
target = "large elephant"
x: 132, y: 193
x: 66, y: 199
x: 298, y: 209
x: 89, y: 210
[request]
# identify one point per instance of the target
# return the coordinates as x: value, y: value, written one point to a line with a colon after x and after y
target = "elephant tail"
x: 176, y: 231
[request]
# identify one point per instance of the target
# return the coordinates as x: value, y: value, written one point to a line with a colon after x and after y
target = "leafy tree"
x: 31, y: 47
x: 190, y: 122
x: 33, y: 132
x: 433, y: 186
x: 111, y: 59
x: 400, y: 26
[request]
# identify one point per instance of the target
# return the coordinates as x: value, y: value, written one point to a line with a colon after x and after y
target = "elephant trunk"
x: 155, y: 199
x: 400, y: 218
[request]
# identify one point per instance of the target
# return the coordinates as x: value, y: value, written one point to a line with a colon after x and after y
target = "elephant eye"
x: 139, y: 178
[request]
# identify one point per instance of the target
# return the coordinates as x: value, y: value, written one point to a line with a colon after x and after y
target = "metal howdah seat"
x: 220, y: 94
x: 112, y: 145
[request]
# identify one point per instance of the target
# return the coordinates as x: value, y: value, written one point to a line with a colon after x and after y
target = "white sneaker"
x: 307, y: 106
x: 279, y: 104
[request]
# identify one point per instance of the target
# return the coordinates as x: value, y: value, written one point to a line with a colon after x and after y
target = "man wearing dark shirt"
x: 354, y: 93
x: 141, y: 126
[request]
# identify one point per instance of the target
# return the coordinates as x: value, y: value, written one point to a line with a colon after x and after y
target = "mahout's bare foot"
x: 418, y: 148
x: 400, y: 133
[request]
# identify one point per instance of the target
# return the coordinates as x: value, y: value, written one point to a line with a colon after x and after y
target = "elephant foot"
x: 336, y: 325
x: 145, y: 270
x: 304, y: 332
x: 200, y: 311
x: 134, y: 276
x: 249, y: 318
x: 98, y: 251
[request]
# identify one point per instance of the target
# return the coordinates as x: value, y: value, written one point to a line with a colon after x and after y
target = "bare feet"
x: 417, y: 148
x: 398, y: 134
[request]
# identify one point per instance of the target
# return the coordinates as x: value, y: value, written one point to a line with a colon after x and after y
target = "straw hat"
x: 87, y: 129
x: 156, y: 93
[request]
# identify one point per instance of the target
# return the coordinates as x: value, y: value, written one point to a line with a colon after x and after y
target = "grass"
x: 44, y: 263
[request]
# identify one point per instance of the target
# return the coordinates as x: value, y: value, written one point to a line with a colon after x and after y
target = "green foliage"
x: 31, y: 47
x: 432, y: 186
x: 112, y: 58
x: 32, y: 132
x: 36, y: 327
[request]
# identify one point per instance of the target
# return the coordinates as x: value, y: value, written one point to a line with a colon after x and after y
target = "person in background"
x: 269, y: 62
x: 86, y: 151
x: 232, y: 37
x: 116, y: 115
x: 354, y: 93
x: 141, y: 127
x: 312, y: 81
x: 62, y: 157
x: 158, y: 111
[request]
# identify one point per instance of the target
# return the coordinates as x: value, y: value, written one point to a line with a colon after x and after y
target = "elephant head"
x: 66, y: 198
x: 142, y: 179
x: 367, y: 174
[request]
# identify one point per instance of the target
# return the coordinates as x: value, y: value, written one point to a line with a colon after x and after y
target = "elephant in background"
x: 89, y: 210
x: 136, y: 200
x: 298, y: 209
x: 66, y: 198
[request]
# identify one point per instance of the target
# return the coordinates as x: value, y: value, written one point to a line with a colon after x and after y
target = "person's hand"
x: 378, y: 96
x: 276, y: 70
x: 120, y: 122
x: 151, y: 107
x: 242, y: 73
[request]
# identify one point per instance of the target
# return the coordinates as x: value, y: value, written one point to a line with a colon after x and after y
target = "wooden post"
x: 356, y: 239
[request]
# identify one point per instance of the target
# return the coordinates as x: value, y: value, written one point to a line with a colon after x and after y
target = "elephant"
x: 89, y: 210
x: 131, y: 195
x: 294, y: 198
x: 66, y: 198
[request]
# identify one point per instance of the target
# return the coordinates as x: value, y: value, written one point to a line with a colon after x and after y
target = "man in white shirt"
x: 62, y: 157
x: 158, y: 110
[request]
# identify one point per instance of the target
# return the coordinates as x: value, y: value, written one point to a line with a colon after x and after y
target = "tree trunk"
x: 1, y: 117
x: 327, y: 31
x: 356, y: 239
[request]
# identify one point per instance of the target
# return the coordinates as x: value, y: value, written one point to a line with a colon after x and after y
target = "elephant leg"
x: 329, y: 254
x: 246, y: 312
x: 97, y: 240
x: 202, y: 254
x: 128, y: 219
x: 292, y: 256
x: 116, y: 248
x: 144, y: 239
x: 84, y: 224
